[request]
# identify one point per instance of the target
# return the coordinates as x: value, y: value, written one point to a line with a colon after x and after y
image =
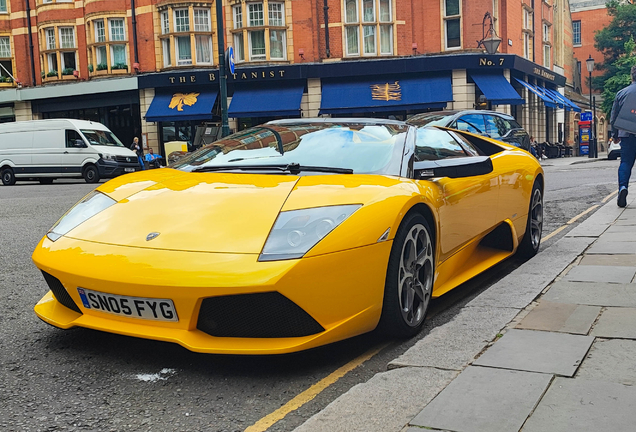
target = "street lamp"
x: 589, y: 63
x: 489, y: 39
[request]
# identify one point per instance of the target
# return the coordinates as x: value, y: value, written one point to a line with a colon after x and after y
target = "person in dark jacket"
x: 623, y: 121
x: 136, y: 147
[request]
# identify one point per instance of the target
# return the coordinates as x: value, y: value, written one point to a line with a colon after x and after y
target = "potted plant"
x: 102, y: 66
x: 90, y: 67
x: 43, y: 74
x: 67, y: 71
x: 51, y: 73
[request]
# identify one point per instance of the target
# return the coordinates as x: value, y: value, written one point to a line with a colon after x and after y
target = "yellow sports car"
x: 291, y: 235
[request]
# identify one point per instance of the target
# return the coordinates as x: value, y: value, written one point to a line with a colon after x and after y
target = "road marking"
x: 313, y: 391
x: 580, y: 215
x: 574, y: 219
x: 607, y: 198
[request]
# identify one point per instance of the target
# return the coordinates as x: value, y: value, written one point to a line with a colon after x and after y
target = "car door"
x: 73, y: 157
x: 473, y: 123
x: 469, y: 205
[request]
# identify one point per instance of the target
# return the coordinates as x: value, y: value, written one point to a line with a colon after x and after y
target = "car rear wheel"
x: 90, y: 174
x: 8, y: 178
x: 531, y: 241
x: 409, y: 280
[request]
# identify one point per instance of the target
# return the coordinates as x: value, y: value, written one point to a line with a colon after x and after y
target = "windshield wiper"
x: 292, y: 168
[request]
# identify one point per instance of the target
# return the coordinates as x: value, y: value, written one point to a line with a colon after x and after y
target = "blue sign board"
x: 230, y: 59
x: 586, y: 116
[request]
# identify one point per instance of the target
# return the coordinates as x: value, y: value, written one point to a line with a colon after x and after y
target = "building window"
x: 250, y: 36
x: 373, y: 27
x: 59, y: 53
x: 452, y: 24
x: 546, y: 56
x: 526, y: 46
x: 528, y: 33
x: 546, y: 33
x: 186, y: 43
x: 576, y: 33
x: 3, y: 6
x: 109, y: 48
x: 6, y: 62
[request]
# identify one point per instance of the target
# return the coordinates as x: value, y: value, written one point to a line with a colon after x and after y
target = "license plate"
x: 129, y: 170
x: 134, y: 307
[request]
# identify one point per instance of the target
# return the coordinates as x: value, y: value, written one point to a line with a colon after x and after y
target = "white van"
x: 48, y: 149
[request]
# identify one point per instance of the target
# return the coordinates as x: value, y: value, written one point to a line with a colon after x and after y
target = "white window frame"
x: 346, y: 41
x: 72, y: 33
x: 237, y: 16
x: 576, y: 28
x: 176, y: 51
x: 528, y: 17
x: 390, y: 12
x: 546, y: 32
x: 105, y: 59
x: 447, y: 19
x: 380, y: 39
x: 49, y: 35
x: 284, y: 57
x: 251, y: 10
x: 374, y: 17
x: 98, y: 25
x: 357, y: 21
x: 165, y: 22
x: 62, y: 65
x: 6, y: 46
x: 526, y: 45
x: 260, y: 57
x: 375, y: 41
x: 281, y: 11
x: 210, y: 47
x: 111, y: 27
x: 165, y: 47
x: 3, y: 6
x: 547, y: 59
x: 177, y: 16
x: 112, y: 54
x: 49, y: 63
x: 207, y: 25
x: 239, y: 41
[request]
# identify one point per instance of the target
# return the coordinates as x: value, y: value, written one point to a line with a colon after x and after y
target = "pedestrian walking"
x: 623, y: 122
x: 136, y: 147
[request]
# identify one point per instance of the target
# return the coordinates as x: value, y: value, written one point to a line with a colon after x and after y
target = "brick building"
x: 150, y: 67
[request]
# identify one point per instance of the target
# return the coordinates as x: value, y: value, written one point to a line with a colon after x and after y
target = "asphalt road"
x: 83, y: 380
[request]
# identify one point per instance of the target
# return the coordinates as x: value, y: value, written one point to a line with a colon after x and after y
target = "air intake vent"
x: 261, y: 315
x: 60, y: 292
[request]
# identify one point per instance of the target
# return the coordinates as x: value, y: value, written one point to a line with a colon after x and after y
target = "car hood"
x: 115, y: 150
x: 223, y: 212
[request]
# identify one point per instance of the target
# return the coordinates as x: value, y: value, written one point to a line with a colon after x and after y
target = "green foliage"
x: 52, y: 73
x: 68, y: 71
x: 5, y: 79
x: 102, y: 66
x: 616, y: 43
x: 120, y: 66
x: 43, y: 74
x: 90, y: 67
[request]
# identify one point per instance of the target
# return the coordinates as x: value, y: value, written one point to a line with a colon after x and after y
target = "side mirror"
x: 453, y: 167
x: 79, y: 143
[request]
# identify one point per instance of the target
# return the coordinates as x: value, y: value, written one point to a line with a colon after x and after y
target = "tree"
x: 613, y: 42
x: 622, y: 67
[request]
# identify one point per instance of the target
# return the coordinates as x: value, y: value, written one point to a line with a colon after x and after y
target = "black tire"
x: 90, y: 174
x: 46, y: 181
x: 8, y: 178
x: 409, y: 282
x: 531, y: 241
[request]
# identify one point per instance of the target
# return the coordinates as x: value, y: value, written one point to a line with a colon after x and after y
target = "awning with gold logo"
x: 382, y: 94
x: 177, y: 106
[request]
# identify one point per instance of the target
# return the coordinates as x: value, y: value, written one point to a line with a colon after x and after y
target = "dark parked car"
x: 487, y: 123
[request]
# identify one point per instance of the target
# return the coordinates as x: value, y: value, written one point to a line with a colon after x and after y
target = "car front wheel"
x: 409, y: 280
x: 531, y: 241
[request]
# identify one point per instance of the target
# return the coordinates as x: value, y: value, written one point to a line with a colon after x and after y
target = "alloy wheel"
x: 536, y: 218
x: 415, y: 275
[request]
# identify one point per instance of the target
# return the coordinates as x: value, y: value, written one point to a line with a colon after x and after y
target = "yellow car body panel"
x: 214, y: 226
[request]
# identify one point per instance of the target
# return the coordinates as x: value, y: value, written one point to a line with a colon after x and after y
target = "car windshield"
x: 356, y: 148
x: 432, y: 119
x: 100, y: 137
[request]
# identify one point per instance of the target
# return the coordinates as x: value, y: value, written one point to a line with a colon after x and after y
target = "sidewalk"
x: 550, y: 347
x: 573, y: 160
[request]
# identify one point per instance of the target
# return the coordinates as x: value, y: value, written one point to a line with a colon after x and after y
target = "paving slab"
x: 384, y: 403
x: 624, y: 236
x: 522, y: 286
x: 609, y: 260
x: 582, y: 405
x: 612, y: 247
x: 625, y: 222
x: 592, y: 293
x: 537, y: 351
x: 621, y: 229
x: 560, y: 317
x: 588, y: 230
x: 484, y: 399
x: 609, y: 274
x: 616, y: 322
x: 454, y: 344
x: 610, y: 360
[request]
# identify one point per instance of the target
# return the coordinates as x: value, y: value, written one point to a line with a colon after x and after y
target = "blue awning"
x: 567, y: 103
x: 381, y: 95
x: 280, y: 101
x: 497, y: 89
x: 176, y: 106
x: 548, y: 101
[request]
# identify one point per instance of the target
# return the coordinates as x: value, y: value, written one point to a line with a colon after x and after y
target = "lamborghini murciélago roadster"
x: 291, y: 235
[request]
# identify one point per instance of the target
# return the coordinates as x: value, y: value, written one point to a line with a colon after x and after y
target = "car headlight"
x: 108, y: 157
x: 92, y: 204
x: 297, y: 231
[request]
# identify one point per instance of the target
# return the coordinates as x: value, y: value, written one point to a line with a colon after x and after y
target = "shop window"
x: 253, y: 29
x: 109, y: 47
x: 187, y: 40
x: 452, y: 24
x: 576, y: 33
x: 368, y: 27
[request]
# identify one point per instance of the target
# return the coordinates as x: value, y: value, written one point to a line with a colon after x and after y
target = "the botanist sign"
x: 184, y: 78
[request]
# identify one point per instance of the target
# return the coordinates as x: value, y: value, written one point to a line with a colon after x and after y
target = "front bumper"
x: 110, y: 169
x: 342, y: 291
